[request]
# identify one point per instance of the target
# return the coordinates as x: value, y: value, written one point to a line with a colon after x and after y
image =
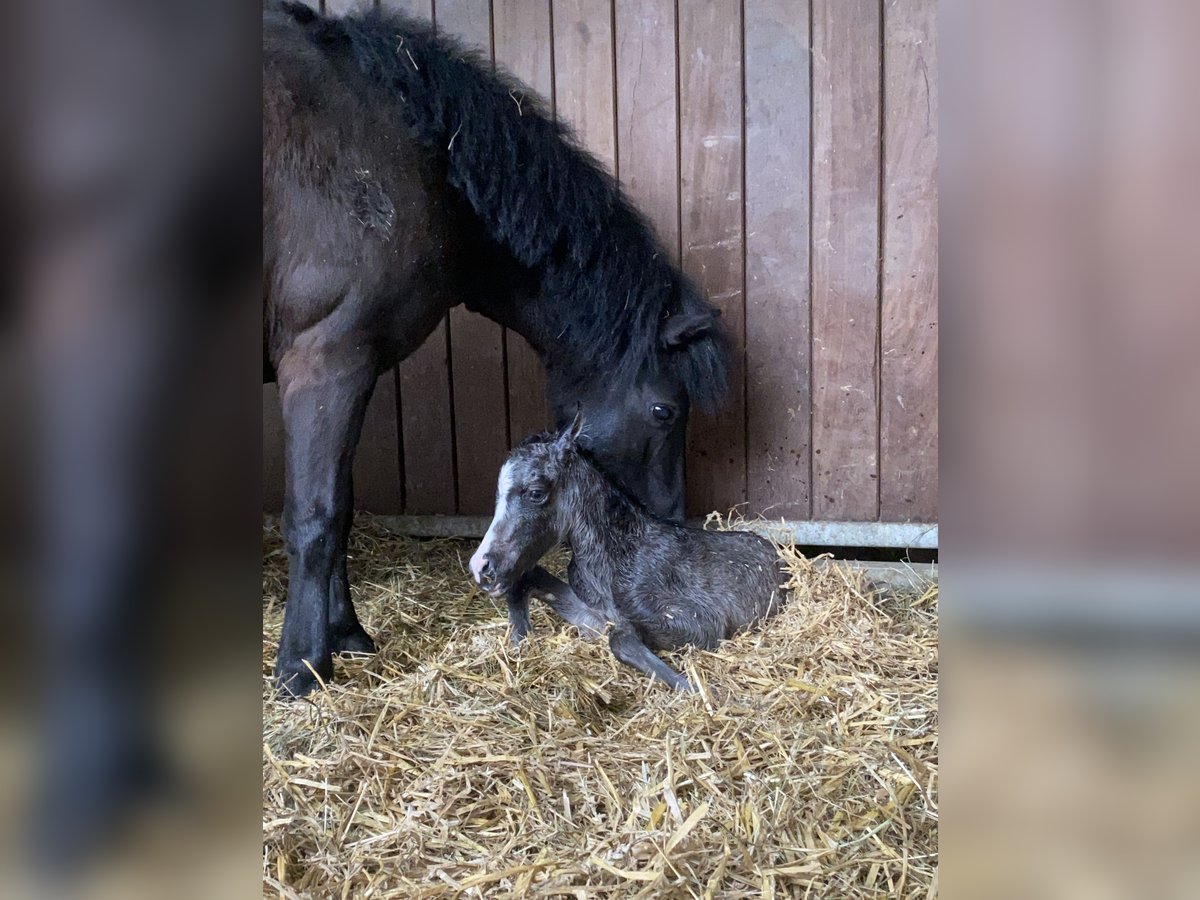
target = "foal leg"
x: 518, y: 613
x: 629, y: 649
x: 324, y: 395
x: 346, y: 634
x: 564, y: 601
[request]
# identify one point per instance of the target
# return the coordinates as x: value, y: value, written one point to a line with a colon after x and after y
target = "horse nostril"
x: 485, y: 570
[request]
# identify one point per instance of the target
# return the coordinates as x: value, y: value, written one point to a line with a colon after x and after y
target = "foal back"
x: 695, y: 587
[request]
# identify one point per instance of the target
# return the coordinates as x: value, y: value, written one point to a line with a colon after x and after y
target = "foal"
x: 661, y: 585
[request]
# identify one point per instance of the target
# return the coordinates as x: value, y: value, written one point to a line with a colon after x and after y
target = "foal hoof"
x: 294, y: 680
x: 354, y: 641
x: 683, y: 686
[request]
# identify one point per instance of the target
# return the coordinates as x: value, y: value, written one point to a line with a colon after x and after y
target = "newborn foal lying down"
x: 659, y: 584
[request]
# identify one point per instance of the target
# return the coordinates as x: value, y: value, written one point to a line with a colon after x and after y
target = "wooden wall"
x: 786, y: 153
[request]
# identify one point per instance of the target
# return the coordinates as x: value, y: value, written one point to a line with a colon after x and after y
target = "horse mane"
x: 541, y: 197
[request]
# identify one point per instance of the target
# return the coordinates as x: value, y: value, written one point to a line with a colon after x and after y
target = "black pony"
x: 400, y: 177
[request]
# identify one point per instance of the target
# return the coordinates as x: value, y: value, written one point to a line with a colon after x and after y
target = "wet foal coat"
x: 660, y: 585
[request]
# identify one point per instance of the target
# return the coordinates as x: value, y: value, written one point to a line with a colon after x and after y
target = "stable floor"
x: 453, y: 765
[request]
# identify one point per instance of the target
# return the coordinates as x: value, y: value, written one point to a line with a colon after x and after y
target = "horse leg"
x: 629, y: 649
x: 564, y: 601
x: 346, y: 634
x: 324, y: 396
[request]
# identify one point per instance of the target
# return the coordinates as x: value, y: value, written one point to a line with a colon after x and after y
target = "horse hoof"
x: 356, y: 641
x: 296, y: 680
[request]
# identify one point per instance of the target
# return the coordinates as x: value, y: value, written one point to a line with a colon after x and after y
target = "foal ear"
x: 684, y: 327
x: 571, y: 433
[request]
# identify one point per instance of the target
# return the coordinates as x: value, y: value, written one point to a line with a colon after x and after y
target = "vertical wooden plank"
x: 342, y: 7
x: 583, y: 74
x: 710, y: 145
x: 378, y: 463
x: 647, y: 113
x: 418, y: 9
x: 468, y: 20
x: 476, y: 344
x: 272, y: 458
x: 909, y: 341
x: 524, y: 46
x: 426, y: 416
x: 778, y: 347
x: 427, y: 419
x: 845, y: 258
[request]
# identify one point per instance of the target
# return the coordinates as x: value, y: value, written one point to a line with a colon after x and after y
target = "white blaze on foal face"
x: 524, y: 527
x: 503, y: 501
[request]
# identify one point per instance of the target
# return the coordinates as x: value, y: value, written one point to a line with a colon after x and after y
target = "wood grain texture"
x: 428, y: 427
x: 418, y: 9
x: 583, y: 74
x: 480, y: 409
x: 845, y: 258
x: 778, y: 342
x: 342, y: 7
x: 909, y: 362
x: 711, y: 159
x: 524, y: 46
x: 379, y: 463
x: 468, y: 20
x: 647, y: 107
x: 476, y: 344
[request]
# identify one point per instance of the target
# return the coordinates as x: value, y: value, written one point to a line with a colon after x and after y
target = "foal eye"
x: 536, y: 495
x: 662, y: 412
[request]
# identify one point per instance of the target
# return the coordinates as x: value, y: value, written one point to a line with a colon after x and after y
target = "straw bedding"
x: 453, y: 765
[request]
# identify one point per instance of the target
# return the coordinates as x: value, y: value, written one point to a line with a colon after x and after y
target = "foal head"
x: 531, y: 509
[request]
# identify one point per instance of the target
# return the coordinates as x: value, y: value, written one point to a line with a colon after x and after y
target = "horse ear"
x: 684, y: 327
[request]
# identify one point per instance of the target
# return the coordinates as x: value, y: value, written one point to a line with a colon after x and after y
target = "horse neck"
x: 603, y: 526
x: 537, y: 304
x: 519, y: 304
x: 500, y: 289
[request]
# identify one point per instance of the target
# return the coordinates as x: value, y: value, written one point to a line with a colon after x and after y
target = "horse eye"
x: 661, y: 412
x: 536, y: 495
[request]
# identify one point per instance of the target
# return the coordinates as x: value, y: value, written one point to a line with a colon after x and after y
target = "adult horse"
x: 402, y: 176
